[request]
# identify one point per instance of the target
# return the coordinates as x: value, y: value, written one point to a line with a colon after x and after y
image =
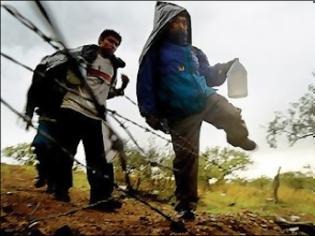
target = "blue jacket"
x: 175, y: 81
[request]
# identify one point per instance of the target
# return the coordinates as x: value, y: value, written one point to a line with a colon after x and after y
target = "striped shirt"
x: 99, y: 77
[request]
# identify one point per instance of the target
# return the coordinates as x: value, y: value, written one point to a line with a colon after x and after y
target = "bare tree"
x: 297, y: 123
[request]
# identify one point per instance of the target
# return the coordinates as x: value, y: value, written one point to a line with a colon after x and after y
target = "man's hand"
x: 125, y: 81
x: 119, y: 92
x: 154, y: 122
x: 113, y: 92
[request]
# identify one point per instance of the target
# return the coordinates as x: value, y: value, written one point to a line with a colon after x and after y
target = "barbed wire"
x: 175, y: 223
x: 166, y: 139
x: 95, y: 102
x: 128, y: 193
x: 46, y: 135
x: 30, y: 25
x: 112, y: 112
x: 130, y: 100
x: 184, y: 140
x: 153, y: 163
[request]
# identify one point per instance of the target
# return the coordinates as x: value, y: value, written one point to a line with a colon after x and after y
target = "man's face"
x: 178, y: 24
x: 109, y: 45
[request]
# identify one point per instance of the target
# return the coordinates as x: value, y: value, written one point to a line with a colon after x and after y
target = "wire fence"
x: 36, y: 30
x: 31, y: 26
x: 58, y: 44
x: 128, y: 193
x: 112, y: 113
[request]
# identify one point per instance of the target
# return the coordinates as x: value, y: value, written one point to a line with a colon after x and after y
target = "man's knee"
x: 234, y: 124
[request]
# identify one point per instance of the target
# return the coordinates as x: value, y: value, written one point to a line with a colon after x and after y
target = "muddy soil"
x: 26, y: 210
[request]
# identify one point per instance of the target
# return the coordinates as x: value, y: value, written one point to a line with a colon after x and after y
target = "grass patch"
x: 235, y: 197
x: 220, y: 199
x: 80, y: 180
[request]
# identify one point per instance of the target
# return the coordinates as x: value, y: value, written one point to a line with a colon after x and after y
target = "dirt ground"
x: 26, y: 210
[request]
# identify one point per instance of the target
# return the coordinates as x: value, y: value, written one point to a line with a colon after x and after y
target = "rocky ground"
x: 26, y: 210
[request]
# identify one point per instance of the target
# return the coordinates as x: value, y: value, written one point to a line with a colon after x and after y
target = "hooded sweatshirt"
x: 174, y: 81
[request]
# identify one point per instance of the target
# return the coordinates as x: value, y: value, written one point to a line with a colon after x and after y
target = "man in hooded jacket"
x: 174, y: 84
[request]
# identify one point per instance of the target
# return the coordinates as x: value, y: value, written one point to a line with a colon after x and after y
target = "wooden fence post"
x: 276, y: 185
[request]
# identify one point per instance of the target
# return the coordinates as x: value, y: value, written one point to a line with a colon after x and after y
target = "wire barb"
x: 31, y: 26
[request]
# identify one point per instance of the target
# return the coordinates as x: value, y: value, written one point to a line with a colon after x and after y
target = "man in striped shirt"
x: 82, y: 119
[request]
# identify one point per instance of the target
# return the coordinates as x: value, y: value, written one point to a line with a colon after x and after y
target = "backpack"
x: 45, y: 92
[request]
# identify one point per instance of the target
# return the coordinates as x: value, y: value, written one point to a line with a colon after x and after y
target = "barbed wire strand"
x: 130, y: 100
x: 174, y: 223
x: 32, y: 26
x: 91, y: 93
x: 26, y: 22
x: 178, y: 136
x: 113, y: 113
x: 153, y: 163
x: 194, y: 153
x: 99, y: 109
x: 56, y: 32
x: 165, y: 139
x: 46, y: 135
x: 25, y: 118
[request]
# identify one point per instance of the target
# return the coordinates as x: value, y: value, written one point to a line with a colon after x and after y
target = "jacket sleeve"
x: 30, y: 102
x: 215, y: 75
x: 33, y: 93
x: 146, y: 85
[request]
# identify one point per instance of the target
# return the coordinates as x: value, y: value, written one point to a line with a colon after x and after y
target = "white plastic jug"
x: 237, y: 80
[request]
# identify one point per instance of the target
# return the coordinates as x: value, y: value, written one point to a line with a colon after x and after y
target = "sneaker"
x: 50, y: 188
x: 63, y: 197
x: 115, y: 203
x: 248, y: 145
x: 186, y: 214
x: 186, y: 210
x: 179, y: 207
x: 108, y: 205
x: 103, y: 206
x: 39, y: 182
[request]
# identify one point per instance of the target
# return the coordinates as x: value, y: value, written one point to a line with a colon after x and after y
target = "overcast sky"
x: 275, y: 41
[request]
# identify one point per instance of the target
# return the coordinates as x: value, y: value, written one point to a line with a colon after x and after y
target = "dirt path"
x: 26, y: 210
